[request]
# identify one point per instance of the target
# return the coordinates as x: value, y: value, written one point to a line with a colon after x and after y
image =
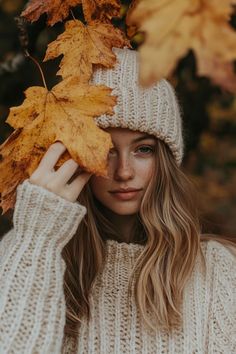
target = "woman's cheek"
x: 145, y: 167
x: 98, y: 184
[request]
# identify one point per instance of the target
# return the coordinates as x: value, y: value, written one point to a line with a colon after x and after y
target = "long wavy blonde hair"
x: 169, y: 227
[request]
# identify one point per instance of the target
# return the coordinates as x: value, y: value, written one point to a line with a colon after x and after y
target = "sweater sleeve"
x: 32, y: 303
x: 222, y: 322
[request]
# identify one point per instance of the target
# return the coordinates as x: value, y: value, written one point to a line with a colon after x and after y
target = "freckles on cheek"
x: 146, y: 168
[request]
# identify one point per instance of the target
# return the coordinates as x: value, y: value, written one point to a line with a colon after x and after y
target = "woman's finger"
x: 65, y: 172
x: 75, y: 187
x: 51, y: 156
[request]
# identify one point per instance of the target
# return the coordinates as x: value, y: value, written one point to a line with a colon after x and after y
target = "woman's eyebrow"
x: 142, y: 138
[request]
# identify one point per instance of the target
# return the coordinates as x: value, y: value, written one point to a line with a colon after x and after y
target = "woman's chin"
x: 124, y: 209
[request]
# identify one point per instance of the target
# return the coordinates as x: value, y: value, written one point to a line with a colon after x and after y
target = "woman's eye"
x: 148, y: 149
x: 144, y: 149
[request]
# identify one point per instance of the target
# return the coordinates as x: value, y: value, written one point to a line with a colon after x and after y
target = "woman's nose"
x: 124, y: 168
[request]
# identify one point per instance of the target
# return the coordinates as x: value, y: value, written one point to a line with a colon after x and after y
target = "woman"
x: 87, y: 269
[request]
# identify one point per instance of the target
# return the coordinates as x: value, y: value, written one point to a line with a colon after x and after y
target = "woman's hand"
x: 57, y: 181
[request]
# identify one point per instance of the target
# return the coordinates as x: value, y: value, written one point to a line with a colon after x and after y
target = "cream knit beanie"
x: 154, y: 110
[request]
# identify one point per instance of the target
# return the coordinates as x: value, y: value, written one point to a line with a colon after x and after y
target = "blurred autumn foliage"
x: 209, y: 112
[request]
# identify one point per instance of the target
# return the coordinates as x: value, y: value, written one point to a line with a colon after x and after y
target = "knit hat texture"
x: 154, y: 110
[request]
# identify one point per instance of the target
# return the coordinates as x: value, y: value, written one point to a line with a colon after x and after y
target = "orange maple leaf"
x: 57, y: 10
x: 172, y: 28
x: 102, y: 10
x: 83, y: 46
x: 66, y: 113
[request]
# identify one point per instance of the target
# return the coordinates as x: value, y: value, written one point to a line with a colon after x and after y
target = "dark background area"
x: 209, y: 113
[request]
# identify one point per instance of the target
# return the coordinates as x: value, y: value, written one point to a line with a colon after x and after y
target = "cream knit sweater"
x: 32, y: 304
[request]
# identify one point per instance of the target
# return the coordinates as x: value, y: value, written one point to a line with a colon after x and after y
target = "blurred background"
x: 209, y: 114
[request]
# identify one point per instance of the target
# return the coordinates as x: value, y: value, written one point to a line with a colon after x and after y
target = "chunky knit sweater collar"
x: 32, y: 302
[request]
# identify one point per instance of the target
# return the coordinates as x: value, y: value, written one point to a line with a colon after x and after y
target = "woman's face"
x: 130, y: 165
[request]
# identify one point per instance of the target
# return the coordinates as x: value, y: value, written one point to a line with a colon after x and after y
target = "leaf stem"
x: 39, y: 67
x: 72, y: 14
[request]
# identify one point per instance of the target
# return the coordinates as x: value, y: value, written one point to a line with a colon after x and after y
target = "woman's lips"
x: 125, y: 195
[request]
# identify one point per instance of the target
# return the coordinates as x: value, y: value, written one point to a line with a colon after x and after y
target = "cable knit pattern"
x: 154, y: 110
x: 209, y: 308
x: 32, y: 304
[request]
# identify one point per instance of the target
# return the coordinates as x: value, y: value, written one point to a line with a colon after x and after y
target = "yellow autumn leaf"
x: 83, y: 46
x: 66, y: 114
x: 172, y: 28
x: 102, y: 10
x: 56, y: 10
